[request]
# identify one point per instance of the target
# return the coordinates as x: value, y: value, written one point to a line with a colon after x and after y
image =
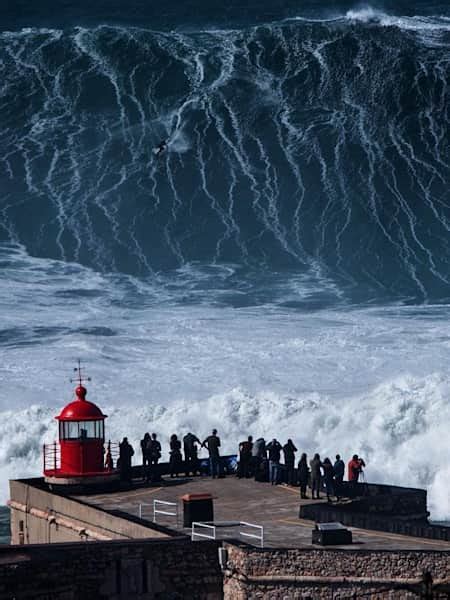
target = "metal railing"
x: 114, y: 450
x: 198, y: 530
x: 141, y: 508
x: 52, y: 456
x: 203, y: 535
x: 157, y: 511
x: 259, y: 537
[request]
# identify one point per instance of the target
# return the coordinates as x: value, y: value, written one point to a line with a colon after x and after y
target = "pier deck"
x: 274, y: 507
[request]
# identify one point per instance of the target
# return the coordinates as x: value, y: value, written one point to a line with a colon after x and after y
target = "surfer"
x: 161, y: 148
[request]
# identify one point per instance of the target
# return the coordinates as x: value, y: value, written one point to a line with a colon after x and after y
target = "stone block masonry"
x: 332, y: 574
x: 173, y: 569
x: 177, y: 569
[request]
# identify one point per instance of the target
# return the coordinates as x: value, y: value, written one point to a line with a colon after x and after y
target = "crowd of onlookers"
x: 257, y: 459
x: 263, y: 461
x: 152, y: 451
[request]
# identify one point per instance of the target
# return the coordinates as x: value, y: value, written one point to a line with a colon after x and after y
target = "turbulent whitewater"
x: 282, y: 269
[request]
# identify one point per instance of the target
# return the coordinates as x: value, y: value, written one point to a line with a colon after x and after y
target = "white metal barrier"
x: 259, y: 537
x: 141, y: 505
x: 211, y: 528
x: 157, y: 511
x: 203, y: 535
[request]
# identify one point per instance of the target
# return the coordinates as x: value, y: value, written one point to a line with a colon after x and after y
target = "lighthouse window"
x: 99, y: 429
x: 76, y: 430
x: 71, y: 430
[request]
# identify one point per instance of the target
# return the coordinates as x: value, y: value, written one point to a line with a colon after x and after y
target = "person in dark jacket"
x: 316, y: 475
x: 154, y: 448
x: 339, y: 470
x: 212, y: 444
x: 154, y: 452
x: 303, y: 474
x: 125, y: 453
x: 145, y: 454
x: 274, y: 450
x: 245, y: 457
x: 259, y: 454
x: 289, y: 451
x: 328, y: 477
x: 175, y: 455
x: 190, y: 442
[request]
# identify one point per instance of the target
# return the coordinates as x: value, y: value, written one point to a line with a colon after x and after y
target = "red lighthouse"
x: 79, y: 455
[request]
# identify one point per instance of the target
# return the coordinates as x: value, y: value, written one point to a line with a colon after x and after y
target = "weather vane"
x: 79, y: 377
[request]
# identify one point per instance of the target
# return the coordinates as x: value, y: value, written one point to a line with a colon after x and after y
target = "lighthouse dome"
x: 81, y: 409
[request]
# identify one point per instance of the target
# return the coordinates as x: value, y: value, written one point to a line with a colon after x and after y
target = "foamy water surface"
x: 367, y: 380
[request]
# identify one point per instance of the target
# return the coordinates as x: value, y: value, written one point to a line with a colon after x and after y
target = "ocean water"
x: 281, y: 270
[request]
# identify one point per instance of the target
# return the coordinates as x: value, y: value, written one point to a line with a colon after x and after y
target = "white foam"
x: 171, y: 356
x: 367, y: 14
x: 399, y: 427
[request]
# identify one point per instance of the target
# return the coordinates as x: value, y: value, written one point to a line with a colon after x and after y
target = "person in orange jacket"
x: 354, y: 468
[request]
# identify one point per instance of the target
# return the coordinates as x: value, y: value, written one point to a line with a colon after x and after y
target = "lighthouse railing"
x: 52, y: 457
x: 113, y: 448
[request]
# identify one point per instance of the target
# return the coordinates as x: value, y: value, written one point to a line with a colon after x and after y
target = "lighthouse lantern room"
x: 78, y: 456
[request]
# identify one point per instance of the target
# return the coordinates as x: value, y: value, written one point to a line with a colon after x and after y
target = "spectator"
x: 175, y: 455
x: 212, y: 444
x: 289, y: 451
x: 316, y: 476
x: 354, y: 467
x: 258, y: 455
x: 328, y: 476
x: 245, y: 457
x: 190, y: 442
x: 145, y: 454
x: 125, y: 453
x: 303, y: 473
x: 339, y: 470
x: 154, y: 453
x: 274, y: 449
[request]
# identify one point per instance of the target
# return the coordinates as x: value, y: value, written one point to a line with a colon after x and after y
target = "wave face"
x: 304, y: 145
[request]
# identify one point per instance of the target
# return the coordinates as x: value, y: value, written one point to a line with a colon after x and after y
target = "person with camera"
x: 354, y: 468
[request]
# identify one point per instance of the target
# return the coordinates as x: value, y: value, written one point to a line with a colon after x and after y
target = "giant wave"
x: 293, y: 145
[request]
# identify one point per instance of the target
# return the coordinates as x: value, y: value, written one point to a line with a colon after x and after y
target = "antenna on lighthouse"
x: 79, y: 377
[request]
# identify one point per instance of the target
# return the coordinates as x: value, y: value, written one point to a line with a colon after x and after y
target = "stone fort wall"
x: 332, y: 574
x: 173, y: 569
x: 176, y: 569
x: 40, y: 516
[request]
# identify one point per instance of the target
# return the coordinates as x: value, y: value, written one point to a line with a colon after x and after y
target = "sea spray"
x: 396, y: 430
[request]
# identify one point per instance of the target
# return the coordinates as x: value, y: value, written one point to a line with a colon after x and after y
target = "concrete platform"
x: 274, y: 507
